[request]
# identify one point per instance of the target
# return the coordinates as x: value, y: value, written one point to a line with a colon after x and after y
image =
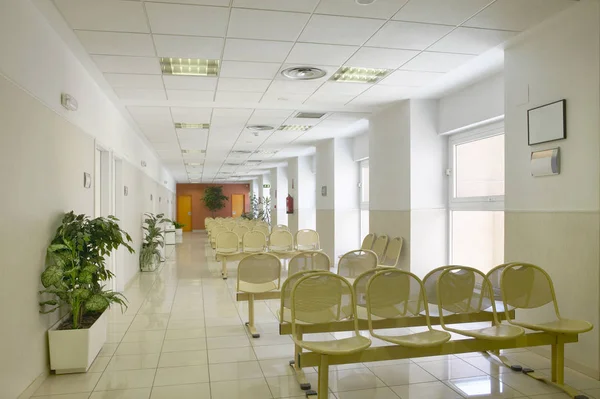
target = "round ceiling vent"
x: 303, y: 73
x: 365, y: 2
x: 259, y: 128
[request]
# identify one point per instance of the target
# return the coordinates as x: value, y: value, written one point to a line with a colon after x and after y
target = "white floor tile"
x: 185, y: 334
x: 402, y: 374
x: 138, y: 348
x: 125, y: 379
x: 181, y: 375
x: 230, y: 355
x: 70, y: 383
x: 234, y: 371
x: 486, y: 387
x: 140, y: 393
x: 256, y: 388
x: 133, y: 362
x: 228, y: 342
x: 84, y: 395
x: 187, y: 391
x: 375, y: 393
x: 427, y: 390
x: 451, y: 369
x: 183, y: 345
x: 275, y: 352
x: 144, y: 336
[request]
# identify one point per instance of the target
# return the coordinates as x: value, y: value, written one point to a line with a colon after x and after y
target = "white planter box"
x: 179, y: 232
x: 73, y: 351
x: 152, y: 266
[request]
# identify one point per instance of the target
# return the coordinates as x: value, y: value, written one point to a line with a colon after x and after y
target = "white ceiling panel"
x: 472, y: 40
x: 150, y: 114
x: 383, y: 9
x: 172, y: 147
x: 342, y: 88
x: 257, y: 24
x: 437, y: 62
x: 193, y: 144
x: 178, y: 19
x: 191, y: 134
x: 190, y: 95
x: 339, y: 30
x: 161, y: 131
x: 302, y: 121
x: 349, y: 117
x: 134, y: 81
x: 330, y: 99
x: 188, y: 46
x: 140, y: 94
x: 323, y: 54
x: 238, y: 96
x: 388, y: 92
x: 408, y: 35
x: 222, y: 3
x: 371, y: 57
x: 295, y: 86
x: 121, y: 64
x: 110, y: 43
x: 252, y: 70
x: 106, y: 15
x: 444, y: 12
x: 256, y: 50
x: 232, y: 113
x: 271, y: 113
x: 517, y: 15
x: 278, y: 5
x: 284, y: 98
x: 190, y: 82
x: 253, y: 85
x: 191, y: 115
x: 411, y: 78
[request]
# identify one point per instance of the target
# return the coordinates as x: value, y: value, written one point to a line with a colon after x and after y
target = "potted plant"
x: 74, y: 275
x: 178, y: 228
x: 214, y: 199
x: 151, y: 253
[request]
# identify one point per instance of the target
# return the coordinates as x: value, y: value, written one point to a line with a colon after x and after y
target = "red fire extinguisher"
x: 289, y: 204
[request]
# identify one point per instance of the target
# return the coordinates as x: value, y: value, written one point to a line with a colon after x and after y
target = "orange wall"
x: 199, y: 211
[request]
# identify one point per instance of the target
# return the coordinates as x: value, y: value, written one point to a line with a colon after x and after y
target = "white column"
x: 325, y: 204
x: 301, y: 186
x: 279, y: 189
x: 347, y: 205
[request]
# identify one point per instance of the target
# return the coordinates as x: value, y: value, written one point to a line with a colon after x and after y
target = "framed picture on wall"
x: 547, y: 123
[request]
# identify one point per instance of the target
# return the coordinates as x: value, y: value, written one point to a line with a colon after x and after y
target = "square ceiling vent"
x: 309, y: 115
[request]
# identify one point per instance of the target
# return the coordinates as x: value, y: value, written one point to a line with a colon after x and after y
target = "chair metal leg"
x: 558, y: 361
x: 299, y: 373
x: 224, y: 267
x: 323, y: 392
x: 250, y: 324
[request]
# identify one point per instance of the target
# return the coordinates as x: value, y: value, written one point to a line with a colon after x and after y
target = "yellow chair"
x: 360, y: 291
x: 324, y: 297
x: 430, y: 284
x: 494, y: 275
x: 395, y: 294
x: 240, y: 230
x: 281, y: 241
x: 463, y: 290
x: 309, y: 260
x: 354, y: 263
x: 254, y: 241
x: 392, y: 253
x: 262, y: 228
x: 214, y: 232
x: 281, y: 227
x: 257, y: 273
x: 368, y: 241
x: 307, y: 240
x: 285, y: 310
x: 229, y: 224
x: 380, y: 245
x: 227, y: 244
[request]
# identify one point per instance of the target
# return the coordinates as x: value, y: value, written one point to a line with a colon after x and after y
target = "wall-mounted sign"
x: 324, y: 191
x: 266, y: 186
x: 87, y: 180
x: 545, y: 163
x: 125, y: 191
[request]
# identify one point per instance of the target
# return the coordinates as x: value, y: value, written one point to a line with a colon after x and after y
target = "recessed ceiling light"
x: 234, y: 163
x: 259, y: 128
x: 266, y: 152
x: 301, y: 128
x: 309, y: 115
x: 189, y: 67
x: 303, y: 73
x: 192, y: 125
x: 194, y: 163
x: 193, y: 151
x: 225, y: 173
x: 359, y: 75
x: 365, y: 2
x: 253, y: 162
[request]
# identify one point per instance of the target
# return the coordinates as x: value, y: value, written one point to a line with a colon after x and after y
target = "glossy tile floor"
x: 183, y: 337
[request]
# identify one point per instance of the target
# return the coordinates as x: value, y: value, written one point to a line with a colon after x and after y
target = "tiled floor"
x: 183, y: 337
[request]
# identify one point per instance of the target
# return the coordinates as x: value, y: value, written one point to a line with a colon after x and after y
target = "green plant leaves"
x: 51, y: 276
x: 96, y: 303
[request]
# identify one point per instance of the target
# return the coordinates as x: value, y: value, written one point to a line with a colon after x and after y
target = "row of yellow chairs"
x: 387, y: 251
x: 256, y: 241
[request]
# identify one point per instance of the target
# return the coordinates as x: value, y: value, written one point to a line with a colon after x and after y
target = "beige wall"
x: 394, y: 224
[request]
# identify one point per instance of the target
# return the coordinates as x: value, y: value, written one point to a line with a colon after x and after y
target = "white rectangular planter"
x: 179, y: 232
x: 73, y: 351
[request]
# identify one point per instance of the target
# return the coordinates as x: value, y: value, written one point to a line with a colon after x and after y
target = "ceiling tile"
x: 192, y: 134
x: 408, y: 35
x: 134, y: 81
x: 383, y: 9
x: 256, y: 50
x: 232, y: 113
x: 188, y: 46
x: 252, y: 70
x: 191, y: 115
x: 253, y: 85
x: 150, y: 114
x: 222, y: 3
x: 329, y: 99
x: 170, y: 147
x: 134, y: 44
x: 517, y: 15
x: 190, y: 82
x: 270, y: 25
x: 339, y: 30
x: 271, y: 113
x: 445, y: 12
x: 239, y: 96
x: 284, y: 98
x: 471, y: 40
x: 295, y: 86
x: 140, y: 94
x: 190, y: 95
x: 410, y: 78
x: 370, y: 57
x: 324, y: 54
x: 187, y: 20
x: 331, y: 88
x: 388, y: 92
x: 329, y: 70
x: 278, y: 5
x: 122, y: 64
x: 106, y: 15
x: 437, y: 62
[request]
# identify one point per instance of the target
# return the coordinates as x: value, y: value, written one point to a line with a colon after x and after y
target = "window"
x: 477, y: 198
x: 364, y: 198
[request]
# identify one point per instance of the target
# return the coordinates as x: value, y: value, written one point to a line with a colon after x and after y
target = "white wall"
x: 293, y: 192
x: 326, y: 174
x: 306, y: 194
x: 360, y: 147
x: 347, y: 210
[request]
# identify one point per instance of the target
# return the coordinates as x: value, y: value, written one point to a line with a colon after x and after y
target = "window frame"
x: 364, y: 205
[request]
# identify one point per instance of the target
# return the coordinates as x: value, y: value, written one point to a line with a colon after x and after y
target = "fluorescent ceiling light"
x: 240, y: 152
x: 266, y: 152
x: 359, y: 75
x: 301, y: 128
x: 193, y: 151
x: 259, y: 128
x: 192, y: 125
x: 194, y: 163
x: 189, y: 66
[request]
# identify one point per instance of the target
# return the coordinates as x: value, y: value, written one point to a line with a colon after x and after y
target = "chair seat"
x: 308, y: 248
x: 498, y: 333
x: 256, y: 288
x: 418, y: 340
x: 362, y: 314
x: 562, y: 326
x: 253, y: 250
x: 226, y: 251
x: 336, y: 347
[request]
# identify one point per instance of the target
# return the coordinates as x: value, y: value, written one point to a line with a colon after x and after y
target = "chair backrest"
x: 230, y: 225
x: 254, y: 241
x: 527, y: 286
x: 240, y: 230
x: 286, y: 291
x: 368, y: 241
x: 228, y: 241
x: 309, y: 260
x: 281, y: 227
x: 360, y: 286
x: 259, y: 269
x: 380, y: 245
x: 307, y: 240
x: 281, y: 240
x: 354, y: 263
x: 215, y: 231
x: 392, y: 253
x: 494, y: 275
x: 430, y: 283
x: 262, y: 228
x: 463, y: 290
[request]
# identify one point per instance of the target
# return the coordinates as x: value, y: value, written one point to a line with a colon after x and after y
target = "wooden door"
x: 184, y: 211
x: 237, y: 205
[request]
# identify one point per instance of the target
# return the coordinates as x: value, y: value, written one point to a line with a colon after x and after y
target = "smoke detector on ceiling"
x: 303, y: 73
